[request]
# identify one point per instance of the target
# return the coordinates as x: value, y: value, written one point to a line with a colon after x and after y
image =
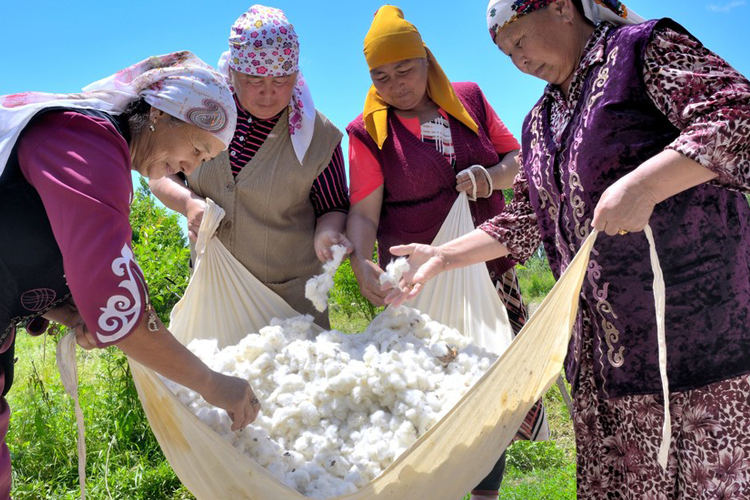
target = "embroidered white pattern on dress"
x: 122, y: 311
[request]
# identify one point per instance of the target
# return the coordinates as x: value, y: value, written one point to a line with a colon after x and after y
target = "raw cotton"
x: 393, y: 272
x: 317, y: 287
x: 337, y: 408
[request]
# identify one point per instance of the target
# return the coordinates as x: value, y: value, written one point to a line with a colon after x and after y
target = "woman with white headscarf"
x: 640, y: 123
x: 65, y: 190
x: 282, y: 182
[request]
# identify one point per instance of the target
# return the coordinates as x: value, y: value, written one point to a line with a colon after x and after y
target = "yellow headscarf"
x: 392, y: 38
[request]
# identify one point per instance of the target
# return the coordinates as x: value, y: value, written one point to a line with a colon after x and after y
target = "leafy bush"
x: 160, y: 250
x: 535, y: 278
x: 346, y: 297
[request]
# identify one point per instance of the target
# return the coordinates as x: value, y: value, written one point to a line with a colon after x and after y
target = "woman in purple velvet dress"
x: 640, y: 123
x: 409, y: 154
x: 65, y: 191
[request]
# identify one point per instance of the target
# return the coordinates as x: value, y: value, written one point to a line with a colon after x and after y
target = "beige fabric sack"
x: 465, y: 298
x: 443, y: 464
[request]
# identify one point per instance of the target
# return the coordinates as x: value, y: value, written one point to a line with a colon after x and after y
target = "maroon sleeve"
x: 329, y: 192
x: 516, y: 226
x: 80, y: 166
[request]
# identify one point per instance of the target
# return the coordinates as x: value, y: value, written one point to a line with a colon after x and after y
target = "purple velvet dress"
x: 639, y: 90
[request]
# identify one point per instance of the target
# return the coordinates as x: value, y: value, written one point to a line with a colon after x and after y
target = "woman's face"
x: 402, y: 84
x: 173, y: 146
x: 263, y: 96
x: 545, y: 44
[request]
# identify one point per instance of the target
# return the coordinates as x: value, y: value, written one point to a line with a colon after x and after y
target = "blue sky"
x: 62, y: 46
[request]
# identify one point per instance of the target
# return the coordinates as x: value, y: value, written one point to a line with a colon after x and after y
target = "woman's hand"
x: 67, y: 314
x: 195, y: 208
x: 235, y: 396
x: 425, y: 262
x: 368, y: 277
x: 325, y: 239
x: 624, y: 207
x: 463, y: 182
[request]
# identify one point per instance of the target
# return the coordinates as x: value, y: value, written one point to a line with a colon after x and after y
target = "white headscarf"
x: 262, y: 42
x: 180, y: 84
x: 500, y: 13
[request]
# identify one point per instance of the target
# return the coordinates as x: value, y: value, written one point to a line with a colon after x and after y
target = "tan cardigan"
x: 270, y: 222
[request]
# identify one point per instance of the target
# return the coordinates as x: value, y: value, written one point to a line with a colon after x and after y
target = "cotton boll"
x: 309, y: 413
x: 298, y: 479
x: 394, y: 271
x: 277, y: 468
x: 316, y: 290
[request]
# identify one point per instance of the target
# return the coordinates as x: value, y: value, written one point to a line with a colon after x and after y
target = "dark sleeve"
x: 80, y: 166
x: 516, y: 226
x: 707, y: 99
x: 329, y: 192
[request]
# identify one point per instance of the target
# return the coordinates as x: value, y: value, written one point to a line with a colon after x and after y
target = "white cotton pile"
x: 317, y: 287
x: 393, y: 272
x: 337, y: 408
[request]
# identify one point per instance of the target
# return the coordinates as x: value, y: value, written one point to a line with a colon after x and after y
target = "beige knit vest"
x: 270, y: 222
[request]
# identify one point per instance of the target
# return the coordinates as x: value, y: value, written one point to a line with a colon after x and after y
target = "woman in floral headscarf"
x: 65, y: 189
x: 420, y: 141
x: 640, y: 123
x: 282, y: 182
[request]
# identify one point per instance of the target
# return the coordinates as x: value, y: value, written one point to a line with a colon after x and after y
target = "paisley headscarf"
x: 262, y: 42
x: 392, y: 38
x: 180, y: 84
x: 500, y: 13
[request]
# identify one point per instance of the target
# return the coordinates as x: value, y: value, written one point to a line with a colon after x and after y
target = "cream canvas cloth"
x: 444, y: 463
x: 466, y: 298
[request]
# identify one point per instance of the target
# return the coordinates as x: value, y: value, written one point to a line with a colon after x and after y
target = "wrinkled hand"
x: 463, y: 182
x: 368, y: 277
x: 425, y: 262
x: 84, y: 338
x: 236, y: 397
x: 624, y: 206
x: 325, y: 239
x: 196, y: 207
x: 67, y: 314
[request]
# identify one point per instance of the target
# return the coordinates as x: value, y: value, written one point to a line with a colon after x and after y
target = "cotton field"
x: 338, y: 408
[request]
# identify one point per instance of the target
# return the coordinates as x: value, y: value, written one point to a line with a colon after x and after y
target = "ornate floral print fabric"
x: 617, y: 442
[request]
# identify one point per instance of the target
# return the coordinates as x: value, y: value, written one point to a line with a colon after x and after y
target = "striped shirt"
x: 329, y: 192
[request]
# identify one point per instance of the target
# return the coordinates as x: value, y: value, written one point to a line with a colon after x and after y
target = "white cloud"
x: 726, y: 7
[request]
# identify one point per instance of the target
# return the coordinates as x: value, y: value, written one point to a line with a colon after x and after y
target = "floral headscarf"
x: 262, y: 42
x: 500, y: 13
x: 180, y: 84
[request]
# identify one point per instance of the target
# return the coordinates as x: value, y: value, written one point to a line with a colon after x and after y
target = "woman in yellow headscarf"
x: 420, y: 141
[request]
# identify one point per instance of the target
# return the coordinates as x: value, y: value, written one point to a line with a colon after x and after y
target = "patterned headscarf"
x: 501, y: 13
x: 392, y: 38
x: 262, y: 42
x: 180, y: 84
